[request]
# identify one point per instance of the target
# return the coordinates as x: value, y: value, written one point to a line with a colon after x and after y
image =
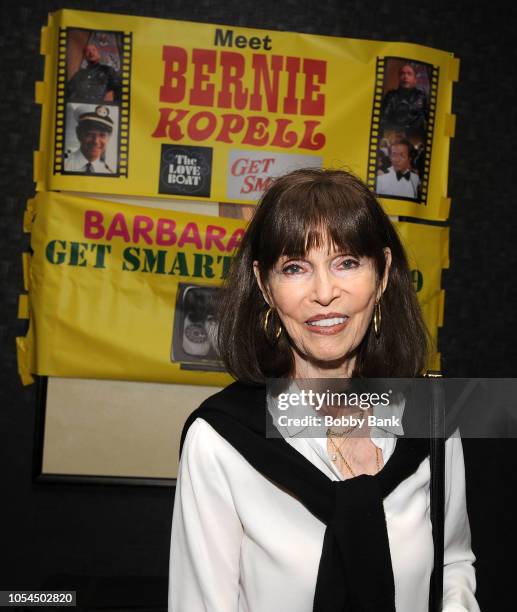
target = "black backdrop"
x: 119, y: 532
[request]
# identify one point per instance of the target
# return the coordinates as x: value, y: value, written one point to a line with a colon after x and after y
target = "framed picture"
x: 111, y: 432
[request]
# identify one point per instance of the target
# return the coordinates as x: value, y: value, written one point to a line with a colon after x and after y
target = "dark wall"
x: 49, y: 530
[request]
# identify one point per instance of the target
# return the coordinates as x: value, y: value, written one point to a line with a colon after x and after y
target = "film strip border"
x: 375, y: 135
x: 433, y: 94
x: 124, y: 106
x: 59, y: 136
x: 127, y: 47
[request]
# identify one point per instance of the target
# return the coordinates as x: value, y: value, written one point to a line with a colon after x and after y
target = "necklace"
x: 341, y: 434
x: 347, y: 465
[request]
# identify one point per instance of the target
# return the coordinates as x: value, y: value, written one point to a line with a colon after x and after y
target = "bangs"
x: 318, y: 215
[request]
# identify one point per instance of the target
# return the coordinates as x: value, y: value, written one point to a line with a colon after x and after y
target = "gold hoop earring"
x: 377, y: 318
x: 266, y: 322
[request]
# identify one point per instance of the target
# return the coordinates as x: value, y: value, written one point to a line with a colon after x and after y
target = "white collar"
x: 97, y: 164
x: 393, y: 171
x: 311, y: 430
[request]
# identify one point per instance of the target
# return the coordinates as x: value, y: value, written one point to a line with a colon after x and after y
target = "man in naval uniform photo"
x: 399, y: 180
x: 94, y: 130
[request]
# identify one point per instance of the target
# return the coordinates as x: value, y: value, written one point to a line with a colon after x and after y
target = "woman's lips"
x: 327, y: 325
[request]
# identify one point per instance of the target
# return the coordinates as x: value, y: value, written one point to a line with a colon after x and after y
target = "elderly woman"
x: 320, y: 288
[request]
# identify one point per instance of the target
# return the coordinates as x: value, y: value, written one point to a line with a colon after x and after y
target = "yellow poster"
x: 150, y: 107
x: 427, y: 248
x: 124, y: 292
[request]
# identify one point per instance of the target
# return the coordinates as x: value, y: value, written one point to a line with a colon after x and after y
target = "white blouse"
x: 241, y: 544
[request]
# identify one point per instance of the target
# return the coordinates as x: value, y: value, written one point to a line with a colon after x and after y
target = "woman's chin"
x: 326, y: 365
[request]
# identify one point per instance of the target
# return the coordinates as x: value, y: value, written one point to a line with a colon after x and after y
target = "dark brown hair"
x: 306, y: 209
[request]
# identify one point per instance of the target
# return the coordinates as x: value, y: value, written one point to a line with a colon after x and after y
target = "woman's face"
x: 325, y: 301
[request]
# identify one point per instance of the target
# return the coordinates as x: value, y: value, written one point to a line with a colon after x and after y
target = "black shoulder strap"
x: 437, y: 459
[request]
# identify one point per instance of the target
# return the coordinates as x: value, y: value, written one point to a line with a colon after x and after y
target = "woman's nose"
x: 325, y: 289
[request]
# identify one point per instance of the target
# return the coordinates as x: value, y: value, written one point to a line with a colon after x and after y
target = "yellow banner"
x: 427, y: 247
x: 165, y: 108
x: 125, y: 292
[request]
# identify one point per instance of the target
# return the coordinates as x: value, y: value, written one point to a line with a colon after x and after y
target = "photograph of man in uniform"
x: 405, y: 108
x: 94, y: 130
x: 97, y: 82
x: 400, y: 180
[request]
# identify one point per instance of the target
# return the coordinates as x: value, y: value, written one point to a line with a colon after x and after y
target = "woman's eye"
x: 348, y: 264
x: 292, y: 268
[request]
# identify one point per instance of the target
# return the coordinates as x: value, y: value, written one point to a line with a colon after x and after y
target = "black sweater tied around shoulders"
x: 355, y: 572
